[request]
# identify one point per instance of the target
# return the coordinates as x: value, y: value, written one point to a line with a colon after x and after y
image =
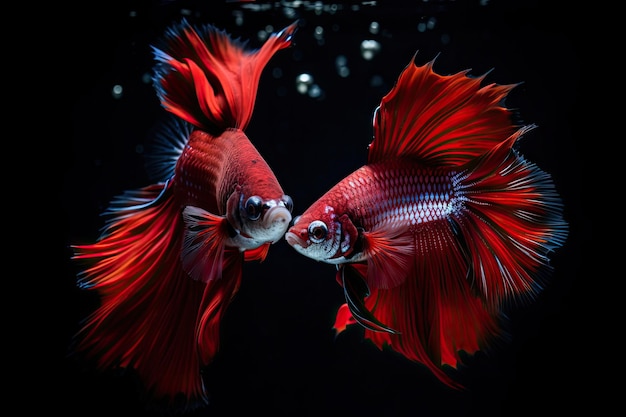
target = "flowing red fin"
x: 435, y: 311
x: 203, y: 244
x: 441, y: 120
x: 257, y: 254
x: 343, y: 319
x: 149, y: 306
x: 209, y: 79
x: 356, y: 290
x: 216, y: 298
x: 512, y: 219
x: 389, y: 253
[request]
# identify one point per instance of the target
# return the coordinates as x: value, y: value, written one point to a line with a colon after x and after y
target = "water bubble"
x: 341, y: 63
x: 318, y: 34
x: 117, y: 91
x: 238, y: 17
x: 302, y: 88
x: 289, y: 12
x: 262, y: 35
x: 305, y: 78
x: 303, y: 83
x: 369, y: 48
x: 315, y: 91
x: 318, y: 7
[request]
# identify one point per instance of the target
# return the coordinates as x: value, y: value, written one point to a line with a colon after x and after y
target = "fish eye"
x: 288, y: 203
x: 254, y: 208
x: 317, y: 231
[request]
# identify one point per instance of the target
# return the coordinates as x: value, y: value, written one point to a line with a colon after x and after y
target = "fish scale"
x: 400, y: 194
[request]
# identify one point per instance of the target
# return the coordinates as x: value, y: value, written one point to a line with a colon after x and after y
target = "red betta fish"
x: 444, y: 225
x: 169, y: 259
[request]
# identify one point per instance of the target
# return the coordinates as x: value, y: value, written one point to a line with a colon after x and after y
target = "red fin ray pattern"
x: 166, y: 278
x: 389, y: 253
x: 435, y: 310
x: 211, y: 80
x: 216, y: 298
x: 137, y: 271
x: 203, y: 243
x: 511, y: 221
x: 257, y: 254
x: 439, y: 120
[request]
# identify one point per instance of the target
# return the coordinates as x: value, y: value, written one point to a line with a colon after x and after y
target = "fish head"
x: 325, y: 235
x: 257, y: 219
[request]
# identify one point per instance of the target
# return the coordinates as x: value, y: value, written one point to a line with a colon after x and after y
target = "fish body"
x: 227, y: 175
x: 443, y: 227
x: 169, y: 259
x: 393, y: 195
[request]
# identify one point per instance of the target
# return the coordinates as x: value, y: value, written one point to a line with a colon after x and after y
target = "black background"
x: 278, y: 353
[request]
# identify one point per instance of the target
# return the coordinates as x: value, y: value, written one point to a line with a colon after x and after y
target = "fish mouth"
x: 294, y: 240
x: 276, y: 220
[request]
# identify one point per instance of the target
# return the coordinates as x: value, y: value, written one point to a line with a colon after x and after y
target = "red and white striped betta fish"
x: 445, y: 224
x: 169, y: 259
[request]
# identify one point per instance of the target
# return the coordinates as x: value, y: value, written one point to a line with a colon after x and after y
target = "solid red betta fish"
x: 444, y: 225
x: 170, y: 257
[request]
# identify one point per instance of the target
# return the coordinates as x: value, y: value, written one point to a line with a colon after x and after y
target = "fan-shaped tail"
x: 153, y: 317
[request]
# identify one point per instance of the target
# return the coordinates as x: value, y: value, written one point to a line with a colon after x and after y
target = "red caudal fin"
x: 210, y: 80
x: 511, y: 220
x: 439, y: 120
x: 491, y: 251
x: 152, y: 314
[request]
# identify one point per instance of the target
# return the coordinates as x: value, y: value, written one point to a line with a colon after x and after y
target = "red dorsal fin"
x: 442, y: 120
x: 209, y: 79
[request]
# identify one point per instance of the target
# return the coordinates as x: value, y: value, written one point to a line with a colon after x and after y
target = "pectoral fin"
x: 389, y: 254
x: 203, y: 245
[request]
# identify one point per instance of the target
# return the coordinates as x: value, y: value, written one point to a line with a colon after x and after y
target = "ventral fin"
x: 355, y: 290
x: 257, y: 254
